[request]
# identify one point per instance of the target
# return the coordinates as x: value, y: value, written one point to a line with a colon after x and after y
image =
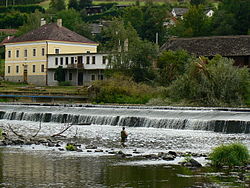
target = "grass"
x: 231, y: 155
x: 1, y: 67
x: 21, y: 88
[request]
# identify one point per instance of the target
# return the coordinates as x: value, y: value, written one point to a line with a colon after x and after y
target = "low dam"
x: 225, y: 120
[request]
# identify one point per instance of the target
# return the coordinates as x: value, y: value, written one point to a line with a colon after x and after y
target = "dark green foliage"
x: 60, y: 74
x: 33, y: 21
x: 230, y: 155
x: 122, y: 90
x: 233, y: 15
x: 171, y: 65
x: 57, y: 5
x: 84, y: 3
x: 213, y: 82
x: 72, y: 20
x: 12, y: 19
x: 21, y: 8
x: 19, y: 2
x: 198, y: 2
x: 73, y: 4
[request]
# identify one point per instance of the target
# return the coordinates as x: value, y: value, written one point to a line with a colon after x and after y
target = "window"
x: 92, y: 77
x: 67, y: 60
x: 104, y: 59
x: 8, y: 69
x: 72, y: 60
x: 93, y: 59
x: 61, y: 61
x: 25, y: 53
x: 17, y: 69
x: 42, y: 68
x: 100, y: 77
x: 9, y: 54
x: 43, y: 51
x: 34, y: 68
x: 34, y: 52
x: 87, y: 60
x: 17, y: 53
x: 57, y: 51
x: 70, y: 76
x: 56, y: 61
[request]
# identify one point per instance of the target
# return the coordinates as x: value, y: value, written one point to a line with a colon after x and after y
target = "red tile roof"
x: 52, y: 32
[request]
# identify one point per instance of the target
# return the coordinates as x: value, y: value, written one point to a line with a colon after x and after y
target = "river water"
x: 42, y: 166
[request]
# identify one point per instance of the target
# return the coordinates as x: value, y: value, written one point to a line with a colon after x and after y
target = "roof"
x: 6, y: 39
x: 8, y: 31
x: 51, y: 32
x: 180, y: 11
x: 210, y: 46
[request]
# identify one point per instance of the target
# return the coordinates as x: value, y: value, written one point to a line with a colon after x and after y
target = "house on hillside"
x: 31, y: 58
x: 179, y: 12
x: 235, y: 47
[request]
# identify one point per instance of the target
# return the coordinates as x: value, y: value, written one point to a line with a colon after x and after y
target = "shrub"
x: 213, y: 82
x: 122, y: 90
x: 66, y: 83
x: 235, y: 154
x: 70, y: 147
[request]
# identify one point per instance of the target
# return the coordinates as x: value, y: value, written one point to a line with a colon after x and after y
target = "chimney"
x: 59, y: 22
x: 43, y: 21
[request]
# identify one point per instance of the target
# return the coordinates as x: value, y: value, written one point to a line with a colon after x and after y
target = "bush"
x: 235, y: 154
x: 66, y: 83
x: 70, y: 147
x: 122, y: 90
x: 213, y: 82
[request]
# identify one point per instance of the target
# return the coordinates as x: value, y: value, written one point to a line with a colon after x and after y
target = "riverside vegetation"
x: 158, y: 78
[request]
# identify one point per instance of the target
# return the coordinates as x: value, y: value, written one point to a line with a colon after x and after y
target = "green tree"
x: 73, y: 21
x: 73, y: 4
x: 198, y: 2
x: 57, y: 5
x: 213, y: 82
x: 154, y: 17
x: 84, y: 3
x: 239, y: 11
x: 33, y: 22
x: 171, y: 65
x: 195, y: 23
x: 132, y: 56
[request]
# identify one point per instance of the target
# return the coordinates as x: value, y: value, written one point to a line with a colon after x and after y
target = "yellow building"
x: 26, y: 56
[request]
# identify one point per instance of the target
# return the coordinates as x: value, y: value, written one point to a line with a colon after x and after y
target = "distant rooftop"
x: 210, y: 46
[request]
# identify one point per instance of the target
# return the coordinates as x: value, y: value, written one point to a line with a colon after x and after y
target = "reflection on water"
x: 21, y: 168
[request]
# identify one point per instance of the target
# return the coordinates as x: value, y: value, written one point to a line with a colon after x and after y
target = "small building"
x: 235, y: 47
x: 27, y: 56
x: 179, y: 12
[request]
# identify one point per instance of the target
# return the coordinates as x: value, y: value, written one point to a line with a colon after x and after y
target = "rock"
x: 191, y: 163
x: 79, y: 150
x: 60, y: 149
x: 89, y: 150
x: 58, y: 145
x: 98, y: 150
x: 91, y: 147
x: 50, y: 144
x: 111, y: 152
x: 172, y: 153
x: 169, y: 157
x: 151, y: 156
x: 18, y: 142
x: 2, y: 143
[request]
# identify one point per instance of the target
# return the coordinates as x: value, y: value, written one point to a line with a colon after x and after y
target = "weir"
x: 209, y: 119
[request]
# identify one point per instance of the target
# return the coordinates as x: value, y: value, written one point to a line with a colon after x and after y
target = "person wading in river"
x: 124, y: 136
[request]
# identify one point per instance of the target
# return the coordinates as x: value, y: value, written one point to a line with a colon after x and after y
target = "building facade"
x: 26, y: 58
x: 77, y: 69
